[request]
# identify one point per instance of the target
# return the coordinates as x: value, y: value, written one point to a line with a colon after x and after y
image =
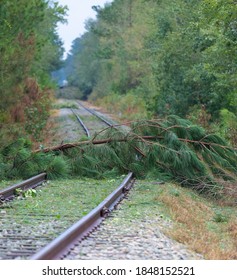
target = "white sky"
x: 79, y: 11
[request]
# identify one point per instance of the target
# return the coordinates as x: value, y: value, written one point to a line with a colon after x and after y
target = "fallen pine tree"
x: 170, y: 149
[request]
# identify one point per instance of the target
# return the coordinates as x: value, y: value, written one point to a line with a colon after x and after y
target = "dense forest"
x: 162, y: 57
x: 167, y: 71
x: 169, y: 66
x: 143, y: 58
x: 30, y: 49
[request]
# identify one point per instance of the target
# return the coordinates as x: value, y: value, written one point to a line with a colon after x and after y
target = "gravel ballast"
x: 133, y: 232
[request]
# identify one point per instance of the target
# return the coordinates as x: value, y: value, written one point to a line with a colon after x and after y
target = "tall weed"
x: 127, y: 107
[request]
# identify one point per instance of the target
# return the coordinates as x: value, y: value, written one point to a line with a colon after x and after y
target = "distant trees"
x: 29, y: 49
x: 110, y: 55
x: 179, y: 56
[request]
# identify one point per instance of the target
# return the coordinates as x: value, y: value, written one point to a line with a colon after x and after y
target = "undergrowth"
x: 127, y: 107
x: 203, y: 225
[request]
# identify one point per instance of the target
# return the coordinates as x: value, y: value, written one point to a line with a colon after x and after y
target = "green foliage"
x: 108, y: 56
x: 57, y: 167
x: 128, y: 107
x: 26, y: 193
x: 177, y: 56
x: 18, y: 161
x: 228, y: 126
x: 29, y: 47
x: 220, y: 218
x: 36, y: 110
x: 170, y: 149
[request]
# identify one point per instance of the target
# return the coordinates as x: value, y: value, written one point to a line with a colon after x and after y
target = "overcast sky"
x: 79, y: 11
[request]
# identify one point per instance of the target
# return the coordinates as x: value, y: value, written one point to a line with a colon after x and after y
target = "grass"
x: 203, y: 225
x: 63, y: 198
x: 89, y: 118
x: 65, y: 104
x: 206, y: 227
x: 127, y: 107
x: 6, y: 183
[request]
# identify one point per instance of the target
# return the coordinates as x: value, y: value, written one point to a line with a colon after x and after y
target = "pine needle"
x: 173, y: 148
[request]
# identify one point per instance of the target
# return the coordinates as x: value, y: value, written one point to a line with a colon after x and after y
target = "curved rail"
x: 95, y: 114
x: 59, y: 246
x: 31, y: 183
x: 82, y: 124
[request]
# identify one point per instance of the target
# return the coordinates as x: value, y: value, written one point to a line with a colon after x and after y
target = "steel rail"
x: 30, y: 183
x: 82, y: 124
x: 95, y: 114
x: 62, y: 244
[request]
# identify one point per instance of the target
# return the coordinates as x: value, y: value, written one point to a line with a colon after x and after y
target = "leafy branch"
x: 172, y: 148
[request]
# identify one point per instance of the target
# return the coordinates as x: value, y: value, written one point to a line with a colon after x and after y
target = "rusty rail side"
x: 30, y: 183
x: 59, y: 246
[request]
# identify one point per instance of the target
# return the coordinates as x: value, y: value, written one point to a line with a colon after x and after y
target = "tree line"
x: 30, y: 49
x: 176, y: 57
x: 156, y: 58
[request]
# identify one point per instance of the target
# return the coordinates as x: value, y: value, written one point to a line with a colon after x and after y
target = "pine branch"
x: 125, y: 139
x: 77, y: 144
x: 173, y: 147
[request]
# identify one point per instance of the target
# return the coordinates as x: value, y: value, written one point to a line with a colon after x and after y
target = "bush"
x: 229, y: 126
x: 127, y: 107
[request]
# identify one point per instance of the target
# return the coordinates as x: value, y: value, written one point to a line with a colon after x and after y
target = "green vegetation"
x: 69, y: 93
x: 173, y: 62
x: 170, y: 149
x: 66, y: 104
x: 29, y: 50
x: 168, y: 57
x: 71, y: 199
x: 25, y: 193
x: 207, y: 227
x: 158, y: 59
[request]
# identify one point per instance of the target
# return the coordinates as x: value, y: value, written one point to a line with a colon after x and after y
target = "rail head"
x: 80, y: 229
x: 30, y: 183
x: 81, y: 123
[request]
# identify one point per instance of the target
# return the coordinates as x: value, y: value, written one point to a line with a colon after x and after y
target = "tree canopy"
x: 30, y: 49
x: 179, y: 56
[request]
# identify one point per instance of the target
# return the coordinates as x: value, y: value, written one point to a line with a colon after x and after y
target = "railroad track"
x: 99, y: 116
x: 60, y: 246
x: 82, y: 124
x: 10, y: 192
x: 16, y: 242
x: 82, y: 113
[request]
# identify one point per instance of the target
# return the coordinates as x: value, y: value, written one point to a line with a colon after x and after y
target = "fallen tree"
x: 170, y: 149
